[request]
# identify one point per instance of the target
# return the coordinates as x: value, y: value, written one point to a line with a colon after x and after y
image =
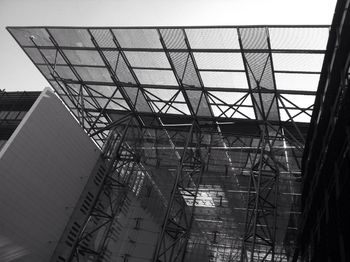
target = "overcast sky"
x: 18, y: 73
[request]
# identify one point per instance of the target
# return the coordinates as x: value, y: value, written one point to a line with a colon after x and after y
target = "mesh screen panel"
x: 179, y: 61
x: 138, y: 38
x: 173, y: 38
x: 94, y: 74
x: 224, y: 79
x: 254, y: 38
x: 190, y: 77
x: 298, y: 62
x: 84, y: 57
x: 72, y: 37
x: 50, y: 56
x: 137, y: 99
x: 147, y: 59
x: 215, y: 38
x: 105, y: 90
x: 299, y: 38
x: 228, y: 61
x: 300, y: 82
x: 216, y: 52
x: 103, y: 37
x: 26, y: 37
x: 155, y: 77
x: 198, y: 102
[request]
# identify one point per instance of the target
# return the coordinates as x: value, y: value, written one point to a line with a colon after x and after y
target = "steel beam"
x: 177, y: 223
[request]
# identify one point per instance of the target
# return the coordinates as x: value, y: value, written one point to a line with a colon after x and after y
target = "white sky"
x: 18, y: 73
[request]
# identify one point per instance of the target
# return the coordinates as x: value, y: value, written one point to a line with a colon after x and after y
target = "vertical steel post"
x: 178, y: 220
x: 257, y: 193
x: 258, y: 243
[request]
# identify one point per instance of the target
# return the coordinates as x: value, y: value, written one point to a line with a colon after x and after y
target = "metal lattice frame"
x: 112, y: 186
x: 177, y: 224
x: 231, y: 85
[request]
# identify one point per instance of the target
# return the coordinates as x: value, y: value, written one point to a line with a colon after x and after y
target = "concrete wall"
x: 43, y: 169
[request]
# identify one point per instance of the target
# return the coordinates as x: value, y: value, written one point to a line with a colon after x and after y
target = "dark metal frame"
x: 176, y: 229
x: 266, y: 133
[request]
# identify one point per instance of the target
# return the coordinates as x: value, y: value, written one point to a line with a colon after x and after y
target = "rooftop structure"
x: 215, y: 117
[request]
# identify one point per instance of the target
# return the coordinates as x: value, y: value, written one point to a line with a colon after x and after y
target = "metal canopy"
x: 211, y: 74
x: 241, y: 98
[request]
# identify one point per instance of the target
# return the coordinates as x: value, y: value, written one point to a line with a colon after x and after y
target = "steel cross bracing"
x: 248, y: 91
x: 177, y: 225
x: 92, y: 226
x: 114, y: 82
x: 261, y: 205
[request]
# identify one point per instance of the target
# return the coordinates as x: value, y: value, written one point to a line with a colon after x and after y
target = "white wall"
x: 43, y: 169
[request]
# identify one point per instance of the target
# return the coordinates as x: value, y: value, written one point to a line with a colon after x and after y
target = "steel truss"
x: 176, y: 229
x: 261, y: 214
x: 106, y: 197
x: 110, y: 200
x: 261, y: 144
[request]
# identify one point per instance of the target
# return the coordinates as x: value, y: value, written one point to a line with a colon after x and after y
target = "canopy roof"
x: 249, y: 89
x: 243, y: 74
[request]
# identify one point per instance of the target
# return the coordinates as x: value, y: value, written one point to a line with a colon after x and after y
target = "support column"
x: 258, y: 243
x: 91, y: 225
x: 176, y: 229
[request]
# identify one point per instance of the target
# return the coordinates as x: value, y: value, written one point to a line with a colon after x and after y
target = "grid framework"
x: 247, y: 91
